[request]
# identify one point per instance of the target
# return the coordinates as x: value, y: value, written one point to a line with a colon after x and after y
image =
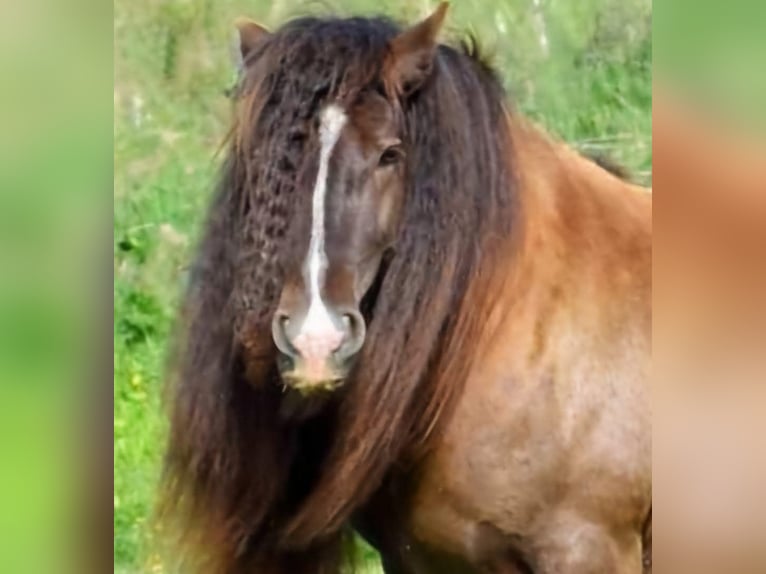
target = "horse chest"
x: 509, y: 465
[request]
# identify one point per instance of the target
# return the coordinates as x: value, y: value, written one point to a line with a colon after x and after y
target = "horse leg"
x: 380, y: 524
x: 581, y: 547
x: 386, y: 545
x: 393, y: 565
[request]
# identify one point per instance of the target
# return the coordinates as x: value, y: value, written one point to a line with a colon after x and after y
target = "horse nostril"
x: 280, y: 335
x: 350, y: 323
x: 354, y: 331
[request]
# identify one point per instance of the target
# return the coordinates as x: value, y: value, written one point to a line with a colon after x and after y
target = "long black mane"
x: 243, y: 484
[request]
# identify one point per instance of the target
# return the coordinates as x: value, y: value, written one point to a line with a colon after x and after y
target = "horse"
x: 414, y: 316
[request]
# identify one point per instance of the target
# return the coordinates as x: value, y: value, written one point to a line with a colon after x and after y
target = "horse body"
x: 547, y: 459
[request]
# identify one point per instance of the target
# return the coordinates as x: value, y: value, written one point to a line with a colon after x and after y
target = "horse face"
x: 356, y: 207
x: 355, y: 211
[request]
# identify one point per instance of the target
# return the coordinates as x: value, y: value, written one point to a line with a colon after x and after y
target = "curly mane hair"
x: 245, y: 487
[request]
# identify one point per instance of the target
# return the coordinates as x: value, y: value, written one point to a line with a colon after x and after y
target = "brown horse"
x: 413, y: 314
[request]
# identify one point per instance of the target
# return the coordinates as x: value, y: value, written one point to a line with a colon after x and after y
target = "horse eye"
x: 391, y: 156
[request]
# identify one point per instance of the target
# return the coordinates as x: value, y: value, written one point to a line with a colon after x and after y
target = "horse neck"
x: 582, y: 237
x: 567, y: 201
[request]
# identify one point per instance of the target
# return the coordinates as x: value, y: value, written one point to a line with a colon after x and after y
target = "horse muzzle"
x: 311, y: 377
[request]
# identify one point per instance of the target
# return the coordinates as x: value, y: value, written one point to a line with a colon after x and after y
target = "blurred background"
x: 582, y: 69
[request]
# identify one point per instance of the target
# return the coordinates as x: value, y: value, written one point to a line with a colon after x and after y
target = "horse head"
x: 348, y: 206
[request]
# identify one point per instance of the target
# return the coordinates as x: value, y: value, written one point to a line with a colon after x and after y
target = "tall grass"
x: 581, y: 69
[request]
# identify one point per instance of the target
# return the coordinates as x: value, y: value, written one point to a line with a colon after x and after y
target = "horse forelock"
x: 232, y: 463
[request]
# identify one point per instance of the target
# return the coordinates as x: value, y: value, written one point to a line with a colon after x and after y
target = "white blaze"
x: 318, y: 319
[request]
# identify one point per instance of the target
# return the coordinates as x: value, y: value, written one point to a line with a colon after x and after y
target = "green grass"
x: 172, y: 65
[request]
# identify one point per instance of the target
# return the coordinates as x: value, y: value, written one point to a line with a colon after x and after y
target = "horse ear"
x: 251, y: 34
x: 411, y: 53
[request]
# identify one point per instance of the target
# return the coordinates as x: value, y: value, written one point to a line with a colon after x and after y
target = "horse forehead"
x: 374, y: 118
x: 373, y: 108
x: 368, y: 111
x: 332, y: 119
x: 342, y: 138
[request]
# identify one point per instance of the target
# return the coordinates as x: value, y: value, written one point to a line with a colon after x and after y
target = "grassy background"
x: 580, y: 68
